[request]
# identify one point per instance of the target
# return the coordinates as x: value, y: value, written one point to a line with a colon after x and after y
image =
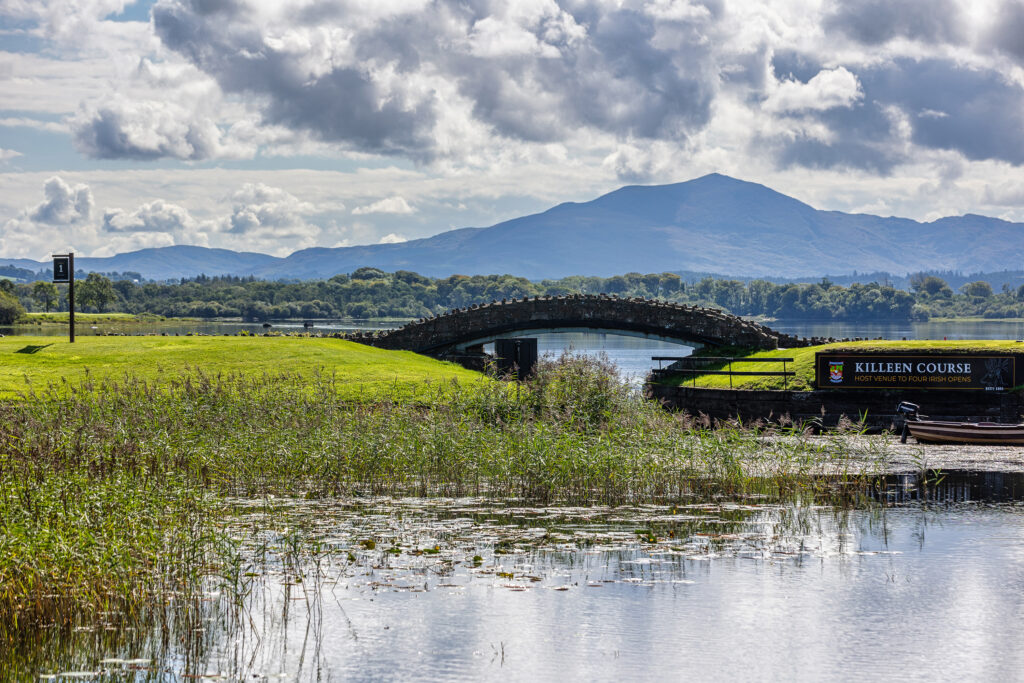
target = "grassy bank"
x: 803, y: 361
x: 112, y: 496
x: 34, y: 363
x: 56, y: 318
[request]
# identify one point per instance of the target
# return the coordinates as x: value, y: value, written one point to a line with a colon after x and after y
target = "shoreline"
x: 912, y: 457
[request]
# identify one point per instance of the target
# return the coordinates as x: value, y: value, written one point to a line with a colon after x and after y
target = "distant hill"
x: 710, y: 224
x: 165, y: 263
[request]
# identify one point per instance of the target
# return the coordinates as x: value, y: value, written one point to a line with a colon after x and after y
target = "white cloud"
x: 122, y: 128
x: 8, y: 154
x: 678, y: 10
x: 26, y: 122
x: 158, y: 216
x: 24, y: 238
x: 63, y: 204
x: 392, y: 238
x: 506, y: 108
x: 396, y: 205
x: 829, y: 88
x: 269, y: 218
x: 156, y: 223
x: 492, y: 37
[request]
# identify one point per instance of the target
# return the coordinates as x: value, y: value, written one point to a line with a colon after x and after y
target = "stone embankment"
x: 874, y: 408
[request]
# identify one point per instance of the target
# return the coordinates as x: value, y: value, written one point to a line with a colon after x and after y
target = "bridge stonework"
x: 446, y: 334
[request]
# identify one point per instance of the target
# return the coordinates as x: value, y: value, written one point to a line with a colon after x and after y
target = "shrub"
x: 10, y: 309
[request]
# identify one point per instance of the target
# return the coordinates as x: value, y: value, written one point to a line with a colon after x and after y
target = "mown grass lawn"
x: 803, y: 361
x: 358, y: 369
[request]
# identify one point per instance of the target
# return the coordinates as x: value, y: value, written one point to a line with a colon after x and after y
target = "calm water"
x: 987, y: 329
x: 714, y: 591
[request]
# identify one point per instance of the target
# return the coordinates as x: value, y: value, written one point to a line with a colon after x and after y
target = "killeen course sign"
x: 914, y: 371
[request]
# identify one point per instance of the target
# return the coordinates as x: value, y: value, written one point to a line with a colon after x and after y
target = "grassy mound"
x: 803, y: 361
x: 33, y: 363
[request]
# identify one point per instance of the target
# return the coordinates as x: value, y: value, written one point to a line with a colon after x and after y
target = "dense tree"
x: 46, y: 294
x: 929, y: 285
x: 96, y: 291
x: 367, y: 273
x: 371, y: 292
x: 979, y: 289
x: 10, y: 308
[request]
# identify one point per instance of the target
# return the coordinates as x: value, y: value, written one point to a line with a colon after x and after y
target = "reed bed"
x: 112, y: 495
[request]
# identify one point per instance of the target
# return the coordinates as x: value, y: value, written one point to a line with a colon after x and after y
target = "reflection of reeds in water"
x: 113, y: 495
x: 300, y: 556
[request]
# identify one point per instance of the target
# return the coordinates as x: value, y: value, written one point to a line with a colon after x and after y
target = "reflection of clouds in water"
x: 580, y: 593
x: 632, y: 355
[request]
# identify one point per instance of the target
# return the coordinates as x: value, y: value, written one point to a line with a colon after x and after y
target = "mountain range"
x: 711, y: 224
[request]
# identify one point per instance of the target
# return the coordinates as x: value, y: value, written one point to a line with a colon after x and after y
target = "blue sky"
x: 274, y: 125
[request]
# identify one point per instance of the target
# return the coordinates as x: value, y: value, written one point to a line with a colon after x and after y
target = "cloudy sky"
x: 274, y: 125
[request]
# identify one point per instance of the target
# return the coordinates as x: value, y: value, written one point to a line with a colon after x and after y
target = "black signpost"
x: 64, y: 271
x: 978, y: 372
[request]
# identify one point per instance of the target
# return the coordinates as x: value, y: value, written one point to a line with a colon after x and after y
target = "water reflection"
x: 631, y: 355
x: 955, y: 486
x: 459, y: 589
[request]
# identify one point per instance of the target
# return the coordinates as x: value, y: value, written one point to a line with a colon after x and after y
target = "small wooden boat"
x: 935, y: 431
x: 938, y: 431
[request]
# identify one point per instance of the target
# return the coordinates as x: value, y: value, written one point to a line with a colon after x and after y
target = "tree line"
x: 373, y: 293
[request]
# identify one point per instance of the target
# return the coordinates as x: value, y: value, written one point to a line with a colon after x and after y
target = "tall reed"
x: 112, y: 492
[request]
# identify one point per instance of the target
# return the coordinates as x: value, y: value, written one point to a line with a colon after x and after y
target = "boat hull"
x: 934, y: 431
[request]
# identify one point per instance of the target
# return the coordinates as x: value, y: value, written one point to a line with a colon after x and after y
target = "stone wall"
x: 877, y: 406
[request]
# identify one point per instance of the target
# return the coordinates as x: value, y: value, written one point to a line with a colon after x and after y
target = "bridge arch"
x: 533, y: 331
x: 466, y: 328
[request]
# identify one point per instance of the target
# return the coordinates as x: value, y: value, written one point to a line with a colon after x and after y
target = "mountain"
x: 714, y: 223
x: 710, y: 224
x: 166, y: 263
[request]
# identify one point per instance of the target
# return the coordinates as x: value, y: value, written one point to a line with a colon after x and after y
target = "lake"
x: 460, y: 589
x: 924, y: 583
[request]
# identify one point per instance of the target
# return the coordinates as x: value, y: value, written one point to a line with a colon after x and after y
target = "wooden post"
x: 64, y: 271
x: 71, y: 295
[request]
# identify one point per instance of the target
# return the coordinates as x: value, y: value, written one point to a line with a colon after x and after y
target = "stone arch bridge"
x: 462, y: 332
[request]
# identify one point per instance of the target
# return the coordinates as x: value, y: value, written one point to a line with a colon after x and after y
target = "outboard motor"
x: 908, y: 411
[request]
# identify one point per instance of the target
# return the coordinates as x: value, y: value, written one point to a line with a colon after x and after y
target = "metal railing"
x: 693, y: 370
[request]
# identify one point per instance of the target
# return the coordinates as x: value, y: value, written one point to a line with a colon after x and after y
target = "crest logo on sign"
x: 835, y: 371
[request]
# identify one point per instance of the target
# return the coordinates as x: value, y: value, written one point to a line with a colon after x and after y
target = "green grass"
x: 803, y: 361
x: 359, y: 370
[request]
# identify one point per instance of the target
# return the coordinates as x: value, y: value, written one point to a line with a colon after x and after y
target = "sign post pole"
x: 64, y: 271
x: 71, y: 295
